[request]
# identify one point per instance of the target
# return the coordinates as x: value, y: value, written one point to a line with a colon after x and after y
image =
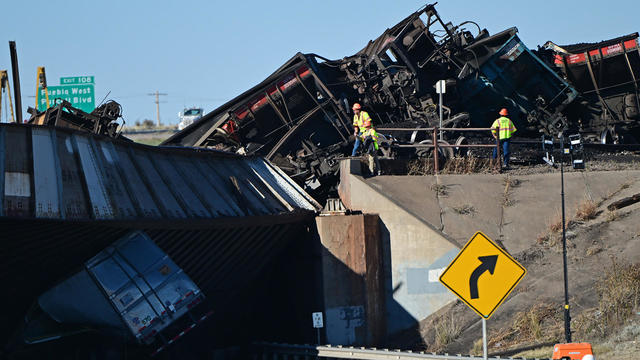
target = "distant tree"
x: 148, y: 123
x: 138, y: 123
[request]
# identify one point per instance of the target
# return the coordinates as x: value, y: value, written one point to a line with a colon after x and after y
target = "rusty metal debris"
x: 103, y: 120
x: 299, y: 117
x: 624, y: 202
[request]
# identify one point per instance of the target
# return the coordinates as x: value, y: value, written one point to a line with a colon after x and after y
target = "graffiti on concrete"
x: 342, y: 323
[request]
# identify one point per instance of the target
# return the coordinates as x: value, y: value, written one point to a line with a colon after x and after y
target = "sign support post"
x: 441, y: 89
x: 484, y: 338
x: 317, y: 323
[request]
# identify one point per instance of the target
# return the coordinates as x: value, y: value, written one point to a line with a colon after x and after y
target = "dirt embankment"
x: 603, y: 251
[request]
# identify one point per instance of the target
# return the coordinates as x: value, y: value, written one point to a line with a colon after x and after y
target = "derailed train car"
x: 300, y: 116
x: 606, y: 75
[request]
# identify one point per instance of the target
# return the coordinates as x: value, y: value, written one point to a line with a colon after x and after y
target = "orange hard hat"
x: 356, y: 106
x: 504, y: 112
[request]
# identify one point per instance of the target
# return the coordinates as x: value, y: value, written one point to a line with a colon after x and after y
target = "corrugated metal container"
x: 61, y: 174
x: 67, y: 195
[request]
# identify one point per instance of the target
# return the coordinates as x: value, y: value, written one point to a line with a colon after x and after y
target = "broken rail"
x: 434, y: 142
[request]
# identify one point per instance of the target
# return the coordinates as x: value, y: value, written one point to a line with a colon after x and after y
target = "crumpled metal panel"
x: 222, y: 258
x: 61, y: 173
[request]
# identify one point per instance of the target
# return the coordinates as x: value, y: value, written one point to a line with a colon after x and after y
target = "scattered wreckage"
x: 300, y: 117
x: 103, y: 120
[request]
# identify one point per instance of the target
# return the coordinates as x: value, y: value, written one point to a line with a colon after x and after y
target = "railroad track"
x: 277, y: 351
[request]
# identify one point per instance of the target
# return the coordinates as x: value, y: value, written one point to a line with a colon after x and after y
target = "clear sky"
x: 204, y: 53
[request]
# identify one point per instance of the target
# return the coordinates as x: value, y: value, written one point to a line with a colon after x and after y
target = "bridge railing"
x: 435, y: 145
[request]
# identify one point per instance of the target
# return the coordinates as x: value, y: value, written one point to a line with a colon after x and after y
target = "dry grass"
x: 612, y: 216
x: 456, y: 165
x: 535, y: 323
x: 615, y: 215
x: 555, y: 225
x: 544, y: 352
x: 592, y: 250
x: 550, y: 240
x: 506, y: 202
x: 509, y: 183
x: 439, y: 189
x: 477, y: 348
x: 422, y: 166
x: 587, y: 210
x: 446, y: 332
x: 618, y: 299
x: 542, y: 239
x: 619, y: 292
x: 465, y: 209
x: 467, y: 165
x: 540, y: 323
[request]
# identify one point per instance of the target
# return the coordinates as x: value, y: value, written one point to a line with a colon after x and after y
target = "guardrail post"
x: 435, y: 150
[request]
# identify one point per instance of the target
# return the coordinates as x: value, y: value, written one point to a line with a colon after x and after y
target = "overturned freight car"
x: 300, y: 116
x: 606, y: 75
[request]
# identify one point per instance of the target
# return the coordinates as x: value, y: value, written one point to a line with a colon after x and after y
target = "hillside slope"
x: 522, y: 212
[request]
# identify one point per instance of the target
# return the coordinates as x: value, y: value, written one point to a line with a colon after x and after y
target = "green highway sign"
x: 80, y: 96
x: 76, y: 80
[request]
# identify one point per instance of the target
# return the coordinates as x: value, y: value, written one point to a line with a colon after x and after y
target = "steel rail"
x: 433, y: 128
x: 443, y: 146
x: 285, y: 351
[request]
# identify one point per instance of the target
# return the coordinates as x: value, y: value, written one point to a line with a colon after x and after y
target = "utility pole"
x: 157, y: 95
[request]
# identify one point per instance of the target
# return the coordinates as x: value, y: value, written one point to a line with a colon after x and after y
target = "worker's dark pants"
x: 506, y: 153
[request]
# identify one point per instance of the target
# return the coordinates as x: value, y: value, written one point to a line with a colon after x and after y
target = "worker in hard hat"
x: 361, y: 122
x: 502, y: 130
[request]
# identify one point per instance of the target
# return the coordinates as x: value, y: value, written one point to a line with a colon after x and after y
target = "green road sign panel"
x: 80, y: 96
x: 76, y: 80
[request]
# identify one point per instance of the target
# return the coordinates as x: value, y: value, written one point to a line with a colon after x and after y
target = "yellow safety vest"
x: 505, y: 126
x: 374, y: 136
x: 363, y: 121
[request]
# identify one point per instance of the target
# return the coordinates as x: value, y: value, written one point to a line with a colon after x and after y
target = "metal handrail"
x: 435, y: 145
x: 284, y: 351
x: 433, y: 128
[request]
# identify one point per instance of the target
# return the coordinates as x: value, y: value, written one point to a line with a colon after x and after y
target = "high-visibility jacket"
x: 505, y: 126
x: 362, y: 121
x: 373, y: 134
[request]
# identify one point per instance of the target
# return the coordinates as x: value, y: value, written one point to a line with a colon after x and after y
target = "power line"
x: 157, y: 95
